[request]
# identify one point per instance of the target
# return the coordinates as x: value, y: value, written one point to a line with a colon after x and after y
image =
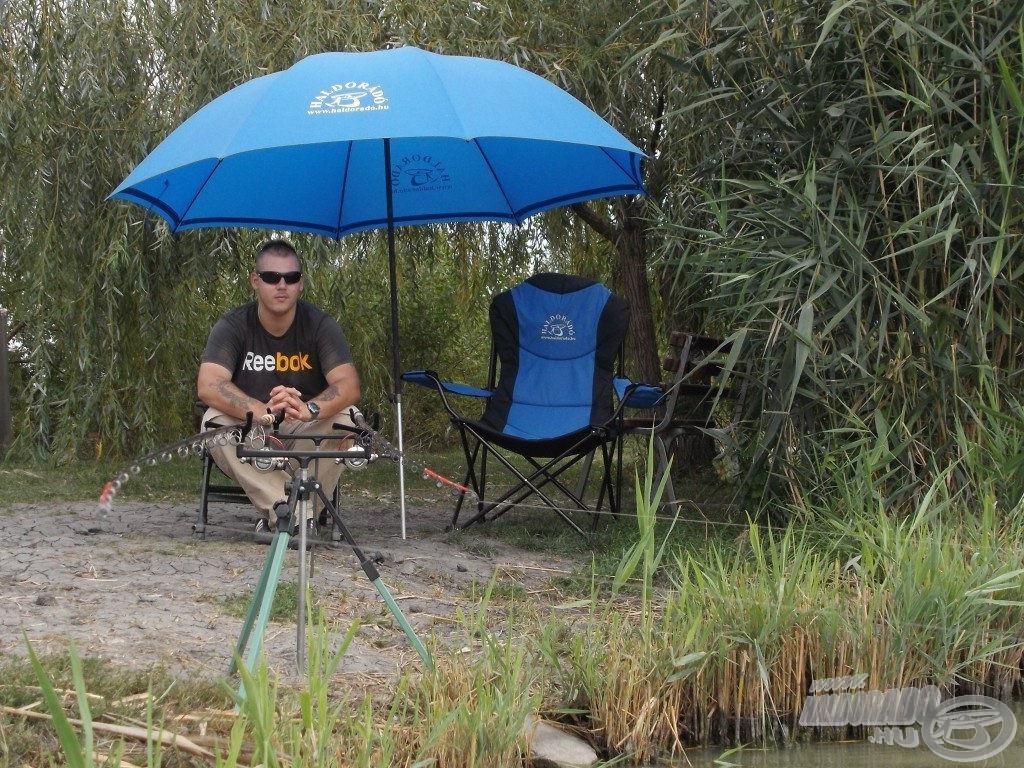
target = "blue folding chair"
x: 553, y: 397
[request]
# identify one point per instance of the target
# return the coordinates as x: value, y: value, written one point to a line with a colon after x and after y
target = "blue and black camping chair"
x: 553, y: 397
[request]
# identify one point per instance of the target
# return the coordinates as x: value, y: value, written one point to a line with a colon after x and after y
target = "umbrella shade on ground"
x: 344, y: 142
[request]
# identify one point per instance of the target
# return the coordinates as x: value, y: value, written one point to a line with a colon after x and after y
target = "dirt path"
x: 134, y: 586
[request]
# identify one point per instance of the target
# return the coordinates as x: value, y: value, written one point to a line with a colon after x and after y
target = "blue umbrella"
x: 343, y: 142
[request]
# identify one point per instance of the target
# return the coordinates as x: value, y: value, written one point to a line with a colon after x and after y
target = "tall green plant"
x: 78, y: 754
x: 646, y: 552
x: 853, y: 214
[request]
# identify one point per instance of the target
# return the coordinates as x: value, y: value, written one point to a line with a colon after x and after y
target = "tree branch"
x: 656, y: 128
x: 14, y: 331
x: 599, y: 224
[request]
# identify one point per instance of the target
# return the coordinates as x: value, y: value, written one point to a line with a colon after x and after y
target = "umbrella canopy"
x: 304, y: 149
x: 343, y: 142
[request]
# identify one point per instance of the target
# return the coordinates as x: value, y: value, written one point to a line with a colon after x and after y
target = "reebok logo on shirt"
x: 278, y: 362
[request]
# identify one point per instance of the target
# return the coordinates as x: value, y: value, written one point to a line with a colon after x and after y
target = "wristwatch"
x: 314, y: 410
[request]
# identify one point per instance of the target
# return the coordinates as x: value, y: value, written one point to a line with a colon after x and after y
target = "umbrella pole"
x: 401, y: 462
x: 395, y: 365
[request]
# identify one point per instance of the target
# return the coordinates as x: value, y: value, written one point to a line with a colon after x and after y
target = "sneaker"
x: 312, y: 534
x: 262, y: 534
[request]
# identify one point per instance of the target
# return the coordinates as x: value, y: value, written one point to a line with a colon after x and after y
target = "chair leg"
x: 604, y: 488
x: 581, y: 487
x: 199, y: 528
x: 335, y: 529
x: 482, y: 486
x: 607, y: 455
x: 470, y: 480
x: 533, y: 483
x: 527, y: 488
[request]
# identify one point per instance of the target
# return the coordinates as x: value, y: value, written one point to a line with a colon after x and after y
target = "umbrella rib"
x: 429, y: 60
x: 497, y: 181
x: 199, y: 191
x: 595, y: 193
x: 151, y: 203
x: 632, y: 173
x: 344, y: 189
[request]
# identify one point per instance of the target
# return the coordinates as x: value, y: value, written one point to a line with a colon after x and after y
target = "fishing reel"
x: 259, y: 440
x: 363, y: 440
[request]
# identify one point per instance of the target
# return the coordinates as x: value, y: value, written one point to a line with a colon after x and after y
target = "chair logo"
x: 348, y: 97
x: 419, y: 173
x: 558, y: 328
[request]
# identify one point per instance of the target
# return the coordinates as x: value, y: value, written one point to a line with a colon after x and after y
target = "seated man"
x: 276, y: 354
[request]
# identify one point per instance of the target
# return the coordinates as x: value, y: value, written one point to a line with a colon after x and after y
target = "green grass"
x: 173, y: 481
x: 284, y: 608
x: 115, y: 694
x: 107, y: 682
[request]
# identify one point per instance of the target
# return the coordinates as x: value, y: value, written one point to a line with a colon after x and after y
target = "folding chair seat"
x: 550, y: 397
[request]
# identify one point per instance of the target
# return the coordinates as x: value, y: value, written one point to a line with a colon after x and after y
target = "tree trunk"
x: 693, y: 455
x: 5, y: 388
x: 632, y: 283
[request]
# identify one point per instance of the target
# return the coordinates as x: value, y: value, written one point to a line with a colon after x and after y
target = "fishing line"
x: 389, y: 451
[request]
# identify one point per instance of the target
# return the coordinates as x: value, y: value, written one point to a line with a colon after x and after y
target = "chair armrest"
x: 642, y: 396
x: 431, y: 380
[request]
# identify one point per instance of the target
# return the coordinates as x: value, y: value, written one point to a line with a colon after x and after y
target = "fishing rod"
x: 257, y: 436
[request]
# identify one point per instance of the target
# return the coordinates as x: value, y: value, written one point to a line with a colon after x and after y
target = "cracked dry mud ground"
x: 136, y: 587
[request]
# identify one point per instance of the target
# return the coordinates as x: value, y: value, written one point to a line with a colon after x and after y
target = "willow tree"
x: 852, y: 213
x: 113, y: 311
x: 73, y: 110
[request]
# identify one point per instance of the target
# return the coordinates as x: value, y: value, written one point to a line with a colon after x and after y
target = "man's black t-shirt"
x: 259, y: 361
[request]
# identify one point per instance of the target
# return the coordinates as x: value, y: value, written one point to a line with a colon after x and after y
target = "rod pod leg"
x: 374, y: 576
x: 262, y: 602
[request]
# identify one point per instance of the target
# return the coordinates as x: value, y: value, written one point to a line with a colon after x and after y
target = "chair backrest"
x: 556, y: 338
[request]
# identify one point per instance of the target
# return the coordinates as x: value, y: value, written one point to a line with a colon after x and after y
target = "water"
x: 860, y: 754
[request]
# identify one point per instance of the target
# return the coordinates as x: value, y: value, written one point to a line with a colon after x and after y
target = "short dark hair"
x: 277, y: 247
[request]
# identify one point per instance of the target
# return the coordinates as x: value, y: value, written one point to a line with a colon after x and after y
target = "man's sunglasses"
x: 273, y: 278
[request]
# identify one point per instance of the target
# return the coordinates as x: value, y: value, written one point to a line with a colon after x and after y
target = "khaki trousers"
x: 267, y: 487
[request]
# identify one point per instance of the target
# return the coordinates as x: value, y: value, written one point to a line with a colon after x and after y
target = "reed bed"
x: 466, y: 713
x: 717, y: 643
x: 728, y: 649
